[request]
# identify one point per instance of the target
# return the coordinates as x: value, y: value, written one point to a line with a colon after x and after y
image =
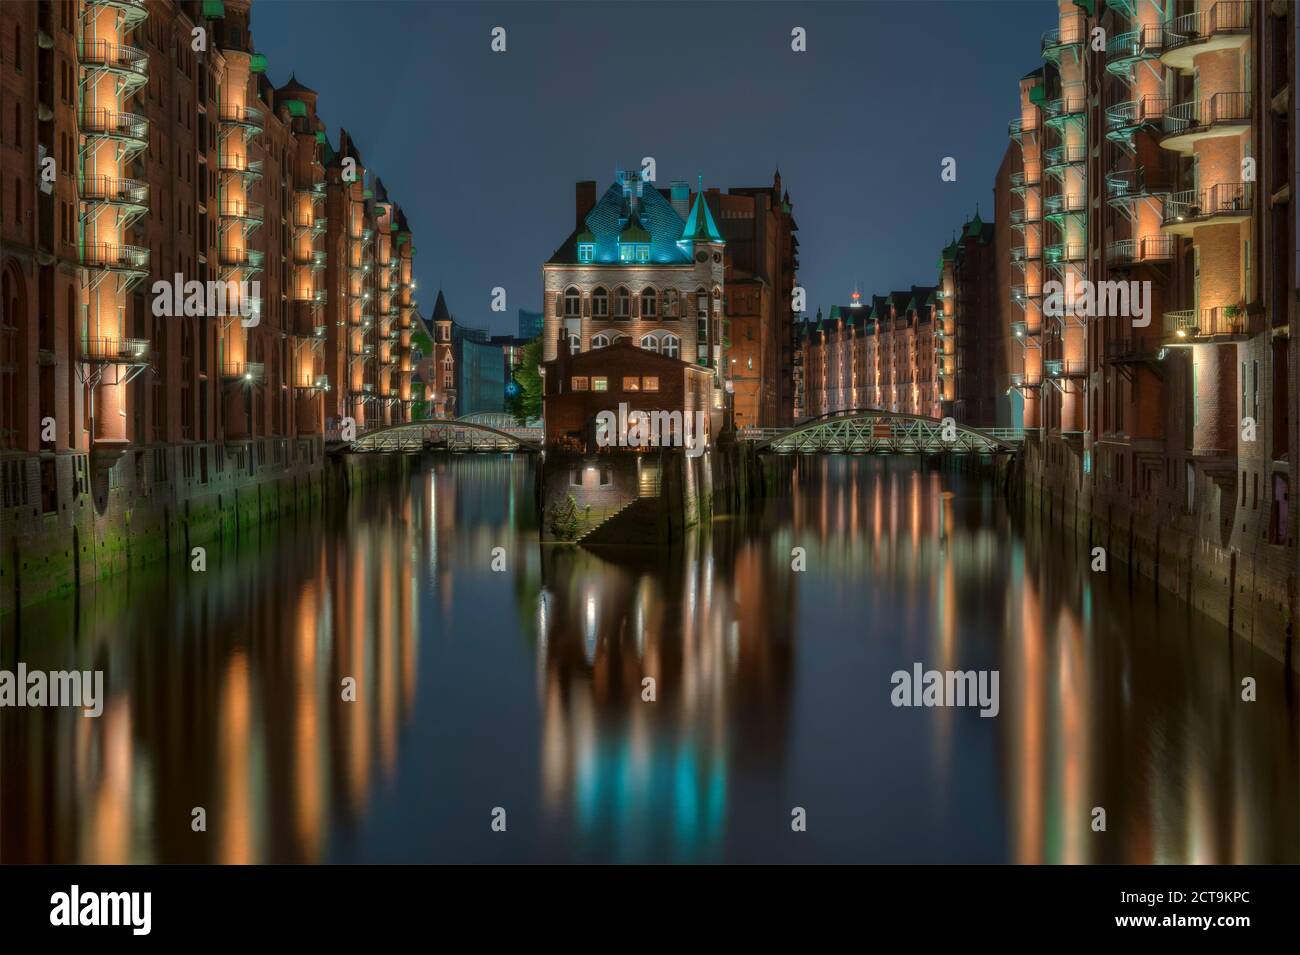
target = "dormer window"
x: 586, y: 251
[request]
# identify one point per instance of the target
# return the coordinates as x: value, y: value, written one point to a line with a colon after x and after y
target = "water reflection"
x: 526, y: 689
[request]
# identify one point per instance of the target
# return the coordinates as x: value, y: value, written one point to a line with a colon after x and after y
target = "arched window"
x: 574, y: 344
x: 649, y: 303
x: 650, y: 343
x: 599, y: 303
x: 672, y: 304
x: 622, y: 304
x: 600, y: 341
x: 572, y: 302
x: 670, y: 346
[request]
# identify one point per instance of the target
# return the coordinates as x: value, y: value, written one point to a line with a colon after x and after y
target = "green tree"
x: 526, y: 403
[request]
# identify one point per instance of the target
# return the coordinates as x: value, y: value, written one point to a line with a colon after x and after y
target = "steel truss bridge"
x: 477, y: 432
x: 874, y: 431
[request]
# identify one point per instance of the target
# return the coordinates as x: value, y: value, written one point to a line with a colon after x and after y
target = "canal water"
x: 519, y: 694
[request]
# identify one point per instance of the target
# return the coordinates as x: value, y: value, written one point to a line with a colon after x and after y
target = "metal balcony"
x: 1221, y: 203
x: 1126, y: 49
x: 1151, y: 248
x: 311, y: 385
x: 134, y: 12
x: 1017, y: 129
x: 1031, y: 175
x: 1065, y: 108
x: 1123, y: 120
x: 116, y: 351
x: 249, y: 372
x: 131, y: 196
x: 1055, y: 42
x: 128, y: 63
x: 1065, y: 368
x: 1026, y: 379
x: 1187, y: 326
x: 1129, y: 185
x: 1061, y: 158
x: 1222, y: 26
x: 1065, y: 252
x: 247, y: 117
x: 251, y: 213
x: 118, y: 125
x: 1056, y: 207
x: 240, y: 166
x: 1223, y: 114
x: 116, y: 257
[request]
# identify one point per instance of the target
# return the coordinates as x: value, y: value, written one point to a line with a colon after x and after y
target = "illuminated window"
x: 579, y: 382
x: 649, y: 383
x: 643, y: 253
x: 649, y: 343
x: 586, y: 251
x: 600, y: 384
x: 632, y: 384
x: 572, y: 302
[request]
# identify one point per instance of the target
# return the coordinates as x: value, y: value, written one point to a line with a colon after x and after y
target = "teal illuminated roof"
x: 585, y: 237
x: 700, y: 226
x: 630, y: 211
x: 633, y: 232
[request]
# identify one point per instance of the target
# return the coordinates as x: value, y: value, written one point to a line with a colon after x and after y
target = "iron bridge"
x: 482, y: 432
x: 874, y: 431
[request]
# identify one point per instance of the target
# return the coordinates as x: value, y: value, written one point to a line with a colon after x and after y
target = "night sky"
x: 482, y: 149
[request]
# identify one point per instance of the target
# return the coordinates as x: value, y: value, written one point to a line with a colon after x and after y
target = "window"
x: 572, y: 302
x: 632, y: 384
x: 649, y: 383
x: 622, y: 304
x: 626, y: 252
x: 18, y: 48
x: 600, y: 384
x: 447, y: 380
x: 578, y: 383
x: 600, y: 341
x: 649, y: 303
x: 18, y: 124
x: 650, y: 343
x: 670, y: 346
x: 701, y: 304
x: 574, y: 344
x: 575, y: 477
x: 606, y: 477
x: 599, y: 303
x: 586, y: 251
x: 643, y: 253
x: 671, y: 304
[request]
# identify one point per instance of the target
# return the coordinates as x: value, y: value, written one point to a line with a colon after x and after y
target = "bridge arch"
x: 458, y: 434
x: 876, y: 431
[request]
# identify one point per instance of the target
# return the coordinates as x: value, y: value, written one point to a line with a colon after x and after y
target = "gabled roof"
x: 440, y: 312
x: 293, y: 86
x: 650, y: 217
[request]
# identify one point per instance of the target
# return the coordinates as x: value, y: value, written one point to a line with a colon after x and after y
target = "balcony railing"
x: 234, y: 114
x: 1123, y: 118
x: 115, y: 351
x: 1221, y: 109
x: 114, y: 123
x: 243, y: 210
x: 1065, y: 368
x: 1151, y: 248
x: 1229, y: 199
x: 118, y: 191
x: 1189, y: 324
x: 1026, y: 379
x: 240, y: 165
x: 1031, y: 175
x: 1065, y: 204
x: 1017, y: 128
x: 1127, y: 183
x: 312, y: 383
x: 1223, y: 19
x: 1058, y: 157
x: 115, y: 257
x: 134, y: 12
x: 252, y: 372
x: 133, y: 63
x: 1072, y: 34
x: 1126, y: 48
x: 1065, y: 252
x: 1065, y: 106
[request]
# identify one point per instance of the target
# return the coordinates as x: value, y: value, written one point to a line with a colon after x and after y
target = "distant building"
x: 481, y: 380
x: 530, y: 324
x: 969, y: 312
x: 440, y: 385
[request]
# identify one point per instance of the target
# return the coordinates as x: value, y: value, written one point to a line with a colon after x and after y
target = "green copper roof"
x: 368, y: 193
x: 257, y: 62
x: 320, y: 135
x: 700, y: 227
x: 1038, y: 95
x: 835, y: 313
x: 214, y: 9
x: 585, y: 236
x: 632, y: 232
x: 975, y: 228
x: 296, y: 107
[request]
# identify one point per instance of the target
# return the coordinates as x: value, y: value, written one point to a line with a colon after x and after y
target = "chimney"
x: 584, y: 201
x: 681, y: 197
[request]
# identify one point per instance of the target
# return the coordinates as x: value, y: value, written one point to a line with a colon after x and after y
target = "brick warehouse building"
x: 166, y: 161
x: 1165, y: 156
x: 886, y: 356
x: 973, y: 342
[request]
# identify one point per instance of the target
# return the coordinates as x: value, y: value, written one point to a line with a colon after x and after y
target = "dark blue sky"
x: 482, y: 149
